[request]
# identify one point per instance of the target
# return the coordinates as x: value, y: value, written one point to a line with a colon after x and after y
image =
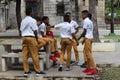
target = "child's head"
x: 85, y: 14
x: 29, y: 11
x: 66, y: 18
x: 38, y: 19
x: 48, y: 29
x: 45, y: 19
x: 70, y: 15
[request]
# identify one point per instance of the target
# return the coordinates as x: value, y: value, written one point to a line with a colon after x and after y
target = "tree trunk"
x: 18, y: 13
x: 92, y: 9
x: 76, y: 10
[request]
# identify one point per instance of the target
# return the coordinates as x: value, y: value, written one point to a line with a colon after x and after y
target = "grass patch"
x: 114, y: 38
x: 111, y: 74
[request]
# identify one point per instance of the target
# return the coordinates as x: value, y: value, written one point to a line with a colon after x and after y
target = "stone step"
x: 51, y: 74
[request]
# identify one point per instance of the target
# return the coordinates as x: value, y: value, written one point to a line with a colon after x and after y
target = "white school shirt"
x: 88, y: 25
x: 28, y: 26
x: 42, y: 28
x: 74, y: 24
x: 66, y: 30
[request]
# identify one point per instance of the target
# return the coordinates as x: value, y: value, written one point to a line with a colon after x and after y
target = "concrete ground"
x: 99, y: 57
x: 14, y: 32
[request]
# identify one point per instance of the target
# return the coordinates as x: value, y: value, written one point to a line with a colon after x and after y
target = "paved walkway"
x: 14, y: 32
x: 51, y: 73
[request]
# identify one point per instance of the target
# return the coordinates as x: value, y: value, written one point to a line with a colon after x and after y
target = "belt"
x: 29, y: 36
x: 65, y: 38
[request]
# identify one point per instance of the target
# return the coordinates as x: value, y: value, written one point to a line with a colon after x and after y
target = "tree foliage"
x: 117, y: 4
x: 116, y: 8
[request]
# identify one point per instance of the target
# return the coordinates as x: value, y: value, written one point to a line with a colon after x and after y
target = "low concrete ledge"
x: 101, y: 47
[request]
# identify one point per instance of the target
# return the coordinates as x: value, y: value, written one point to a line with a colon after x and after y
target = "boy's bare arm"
x: 42, y: 33
x: 35, y: 32
x: 83, y: 34
x: 76, y: 30
x: 74, y: 37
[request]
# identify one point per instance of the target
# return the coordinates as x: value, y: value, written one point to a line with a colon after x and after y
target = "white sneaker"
x: 77, y: 63
x: 68, y: 68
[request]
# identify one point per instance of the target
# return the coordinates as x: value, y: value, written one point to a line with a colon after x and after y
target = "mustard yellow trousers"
x: 88, y: 53
x: 66, y: 45
x: 30, y: 47
x: 75, y: 48
x: 42, y: 42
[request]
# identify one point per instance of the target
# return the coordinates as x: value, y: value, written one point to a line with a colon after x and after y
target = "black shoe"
x: 72, y: 62
x: 84, y: 65
x: 55, y: 65
x: 26, y: 73
x: 60, y: 69
x: 40, y: 73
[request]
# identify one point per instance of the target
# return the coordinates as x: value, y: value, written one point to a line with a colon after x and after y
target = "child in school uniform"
x: 56, y: 55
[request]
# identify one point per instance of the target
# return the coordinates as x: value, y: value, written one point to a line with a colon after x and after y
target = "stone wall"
x: 12, y: 15
x: 100, y: 10
x: 2, y: 19
x: 50, y: 10
x: 101, y: 13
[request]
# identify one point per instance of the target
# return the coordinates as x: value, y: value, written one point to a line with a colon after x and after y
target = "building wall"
x: 100, y: 10
x: 50, y: 10
x: 101, y: 13
x: 12, y: 15
x: 2, y: 19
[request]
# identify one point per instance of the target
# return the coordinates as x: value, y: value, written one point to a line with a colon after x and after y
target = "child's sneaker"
x: 26, y: 73
x: 86, y: 70
x: 68, y: 69
x: 60, y: 69
x: 91, y: 72
x: 84, y: 65
x: 53, y: 58
x: 57, y: 55
x: 40, y: 73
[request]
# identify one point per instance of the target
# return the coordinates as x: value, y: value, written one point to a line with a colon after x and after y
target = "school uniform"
x: 88, y: 25
x: 43, y: 40
x: 29, y: 44
x: 66, y: 31
x: 50, y: 34
x: 74, y: 43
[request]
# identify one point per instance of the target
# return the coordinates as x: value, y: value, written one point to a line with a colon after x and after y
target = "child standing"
x: 88, y: 34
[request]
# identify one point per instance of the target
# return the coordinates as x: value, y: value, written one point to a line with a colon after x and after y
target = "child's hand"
x: 60, y: 43
x: 77, y: 43
x: 83, y: 41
